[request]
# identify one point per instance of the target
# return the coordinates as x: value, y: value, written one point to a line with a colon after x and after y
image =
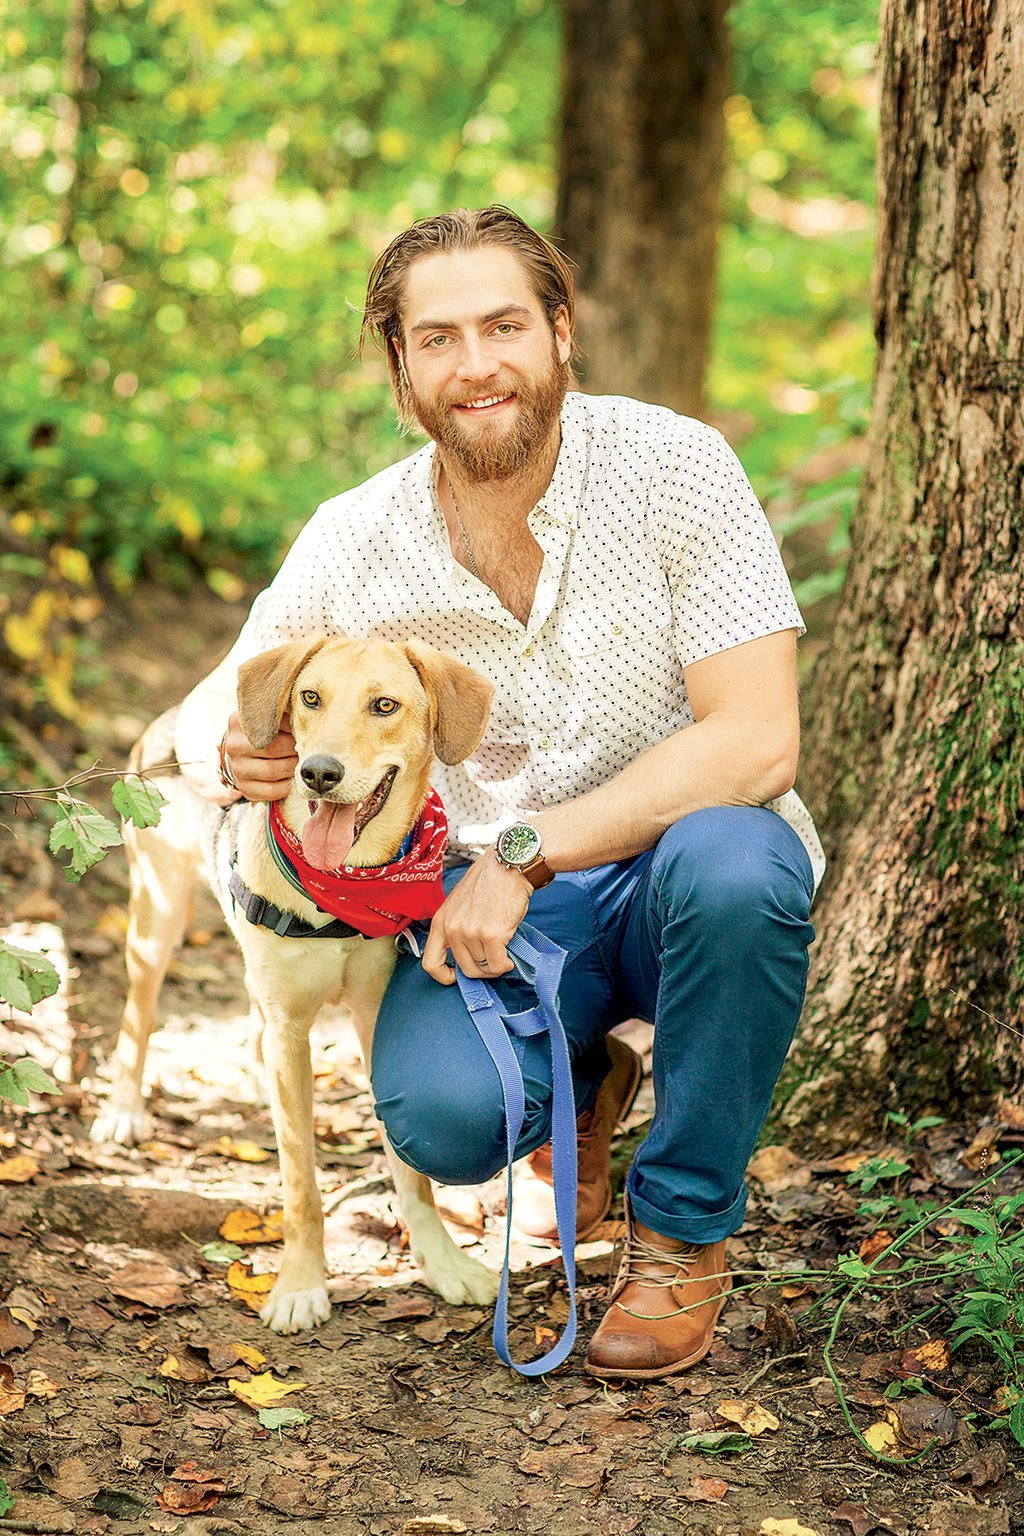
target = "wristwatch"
x: 518, y: 847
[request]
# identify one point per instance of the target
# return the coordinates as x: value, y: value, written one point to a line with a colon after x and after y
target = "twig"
x: 86, y: 776
x: 984, y: 1013
x: 772, y: 1361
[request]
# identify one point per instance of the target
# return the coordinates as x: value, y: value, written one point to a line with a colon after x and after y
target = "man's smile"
x: 485, y: 403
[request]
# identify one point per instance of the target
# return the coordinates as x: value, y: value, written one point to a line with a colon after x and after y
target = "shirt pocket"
x: 628, y: 619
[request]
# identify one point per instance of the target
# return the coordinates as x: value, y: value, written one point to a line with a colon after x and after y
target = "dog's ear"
x: 460, y: 700
x: 265, y: 684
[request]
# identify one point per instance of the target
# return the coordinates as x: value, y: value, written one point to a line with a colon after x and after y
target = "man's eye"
x: 506, y: 328
x: 310, y: 698
x: 437, y: 342
x: 384, y: 706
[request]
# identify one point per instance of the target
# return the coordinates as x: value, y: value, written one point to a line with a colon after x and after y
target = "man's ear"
x: 265, y: 684
x: 460, y: 701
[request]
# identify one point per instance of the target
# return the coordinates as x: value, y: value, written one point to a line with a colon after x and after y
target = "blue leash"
x: 540, y: 961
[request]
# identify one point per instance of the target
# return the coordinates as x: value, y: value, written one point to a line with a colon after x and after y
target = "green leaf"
x: 1017, y: 1421
x: 281, y: 1418
x: 10, y: 1088
x: 6, y: 1502
x: 222, y: 1253
x: 137, y: 801
x: 852, y: 1266
x: 31, y: 1075
x: 84, y: 833
x: 25, y: 977
x: 717, y: 1442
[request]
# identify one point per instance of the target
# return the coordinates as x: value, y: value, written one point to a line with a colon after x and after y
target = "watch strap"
x: 538, y: 872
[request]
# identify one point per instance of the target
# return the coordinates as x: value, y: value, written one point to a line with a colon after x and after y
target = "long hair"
x: 463, y: 229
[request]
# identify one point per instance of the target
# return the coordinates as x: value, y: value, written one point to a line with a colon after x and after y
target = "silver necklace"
x: 462, y: 530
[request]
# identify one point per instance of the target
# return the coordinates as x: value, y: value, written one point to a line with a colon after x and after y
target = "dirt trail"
x: 411, y: 1423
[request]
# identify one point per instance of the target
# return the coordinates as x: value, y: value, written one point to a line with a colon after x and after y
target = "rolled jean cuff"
x: 690, y: 1229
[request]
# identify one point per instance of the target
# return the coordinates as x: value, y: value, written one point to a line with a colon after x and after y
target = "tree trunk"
x: 640, y: 167
x: 914, y: 735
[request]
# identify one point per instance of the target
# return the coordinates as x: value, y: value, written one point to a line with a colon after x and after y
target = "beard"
x: 497, y: 450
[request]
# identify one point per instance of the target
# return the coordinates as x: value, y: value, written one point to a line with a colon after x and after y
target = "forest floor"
x: 123, y: 1348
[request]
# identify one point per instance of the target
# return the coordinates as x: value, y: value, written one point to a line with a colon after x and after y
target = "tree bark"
x: 640, y: 168
x: 914, y: 719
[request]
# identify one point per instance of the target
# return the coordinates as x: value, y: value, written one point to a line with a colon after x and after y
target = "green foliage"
x: 282, y: 1418
x: 84, y: 833
x: 137, y: 802
x: 23, y: 1077
x: 6, y: 1501
x: 186, y: 229
x: 875, y: 1170
x: 25, y: 977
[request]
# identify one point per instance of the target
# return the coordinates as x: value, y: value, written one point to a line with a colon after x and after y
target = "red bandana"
x: 382, y: 899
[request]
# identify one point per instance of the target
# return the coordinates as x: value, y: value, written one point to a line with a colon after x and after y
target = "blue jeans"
x: 705, y: 936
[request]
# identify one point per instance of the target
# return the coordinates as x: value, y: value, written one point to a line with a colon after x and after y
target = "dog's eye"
x: 384, y: 706
x: 310, y: 698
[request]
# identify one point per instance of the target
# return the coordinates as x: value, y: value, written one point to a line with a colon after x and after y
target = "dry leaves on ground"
x: 264, y: 1391
x: 749, y: 1416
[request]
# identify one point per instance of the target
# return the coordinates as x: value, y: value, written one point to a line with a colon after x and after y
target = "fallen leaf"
x: 882, y: 1438
x: 180, y: 1368
x: 244, y: 1151
x: 981, y: 1152
x: 11, y: 1397
x: 771, y: 1527
x: 985, y: 1468
x: 866, y: 1518
x: 872, y: 1246
x: 16, y: 1329
x: 922, y: 1419
x: 146, y: 1412
x: 777, y: 1168
x: 403, y: 1308
x: 288, y: 1494
x: 751, y: 1417
x: 155, y: 1285
x: 282, y: 1418
x: 264, y: 1391
x: 247, y: 1287
x: 18, y: 1170
x: 955, y: 1518
x: 927, y: 1358
x: 223, y: 1354
x: 705, y: 1490
x: 432, y: 1525
x: 781, y: 1336
x: 244, y: 1226
x: 40, y: 1385
x: 434, y: 1331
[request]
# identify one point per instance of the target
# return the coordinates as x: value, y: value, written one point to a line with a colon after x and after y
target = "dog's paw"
x: 115, y: 1122
x: 462, y: 1281
x: 295, y: 1311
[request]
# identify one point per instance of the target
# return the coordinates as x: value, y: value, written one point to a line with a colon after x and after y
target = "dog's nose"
x: 322, y: 773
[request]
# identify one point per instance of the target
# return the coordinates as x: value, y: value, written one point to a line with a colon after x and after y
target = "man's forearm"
x: 710, y: 763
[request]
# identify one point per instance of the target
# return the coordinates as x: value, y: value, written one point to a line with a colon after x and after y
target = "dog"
x: 367, y: 717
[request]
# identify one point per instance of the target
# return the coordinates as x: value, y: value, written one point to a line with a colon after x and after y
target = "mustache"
x: 500, y: 391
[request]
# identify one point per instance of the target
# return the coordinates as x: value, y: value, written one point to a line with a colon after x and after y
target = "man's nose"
x: 477, y: 359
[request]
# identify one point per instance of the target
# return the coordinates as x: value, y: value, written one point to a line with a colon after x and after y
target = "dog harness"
x: 368, y: 903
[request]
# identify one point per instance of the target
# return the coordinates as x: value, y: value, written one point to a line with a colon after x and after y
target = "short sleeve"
x: 726, y: 577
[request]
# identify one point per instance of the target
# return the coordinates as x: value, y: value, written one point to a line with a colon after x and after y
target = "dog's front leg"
x: 449, y: 1271
x: 299, y: 1298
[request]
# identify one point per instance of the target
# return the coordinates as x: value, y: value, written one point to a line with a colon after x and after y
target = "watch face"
x: 519, y: 845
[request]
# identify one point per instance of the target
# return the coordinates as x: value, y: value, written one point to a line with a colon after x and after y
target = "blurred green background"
x: 185, y: 239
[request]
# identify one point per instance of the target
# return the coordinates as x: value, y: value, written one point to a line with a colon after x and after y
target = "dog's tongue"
x: 328, y: 835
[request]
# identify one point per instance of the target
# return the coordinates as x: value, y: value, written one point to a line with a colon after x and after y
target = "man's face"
x: 487, y: 371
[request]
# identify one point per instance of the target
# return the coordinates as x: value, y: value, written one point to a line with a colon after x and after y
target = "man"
x: 607, y: 565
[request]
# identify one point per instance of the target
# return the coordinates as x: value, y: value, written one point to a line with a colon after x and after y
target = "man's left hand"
x: 477, y: 921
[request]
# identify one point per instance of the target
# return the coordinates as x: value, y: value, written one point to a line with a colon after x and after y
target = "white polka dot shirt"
x: 656, y: 553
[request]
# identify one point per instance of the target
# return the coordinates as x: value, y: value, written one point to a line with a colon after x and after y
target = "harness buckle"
x: 257, y: 908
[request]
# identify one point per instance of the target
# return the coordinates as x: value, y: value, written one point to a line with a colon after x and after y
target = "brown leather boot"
x: 664, y: 1307
x: 533, y: 1204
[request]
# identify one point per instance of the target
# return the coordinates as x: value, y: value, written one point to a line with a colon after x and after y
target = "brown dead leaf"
x: 244, y: 1226
x: 986, y: 1467
x: 982, y: 1150
x: 181, y: 1368
x: 289, y: 1494
x: 224, y: 1354
x: 12, y: 1398
x: 922, y: 1419
x: 246, y: 1287
x: 433, y: 1525
x: 16, y: 1330
x: 866, y: 1518
x: 18, y: 1170
x: 191, y: 1491
x: 953, y: 1517
x: 40, y: 1385
x: 155, y: 1285
x: 705, y: 1490
x: 927, y: 1359
x: 434, y: 1331
x: 402, y: 1308
x: 872, y: 1246
x: 780, y: 1332
x: 144, y: 1412
x: 777, y: 1168
x: 750, y: 1416
x: 882, y: 1438
x: 74, y: 1480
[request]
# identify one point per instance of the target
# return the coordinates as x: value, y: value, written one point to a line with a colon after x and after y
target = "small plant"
x: 875, y: 1170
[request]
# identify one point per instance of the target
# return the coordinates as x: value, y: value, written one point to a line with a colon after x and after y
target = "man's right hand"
x: 263, y: 775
